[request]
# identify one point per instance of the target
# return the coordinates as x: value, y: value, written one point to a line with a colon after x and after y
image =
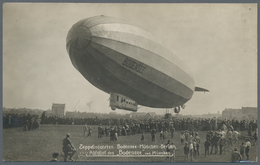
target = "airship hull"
x: 117, y: 57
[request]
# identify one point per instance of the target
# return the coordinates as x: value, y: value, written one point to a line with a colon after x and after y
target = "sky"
x: 217, y: 41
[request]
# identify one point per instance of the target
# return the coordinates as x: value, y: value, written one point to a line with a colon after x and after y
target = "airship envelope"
x: 118, y: 57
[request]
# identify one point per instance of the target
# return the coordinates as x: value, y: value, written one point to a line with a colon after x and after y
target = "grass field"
x: 19, y: 145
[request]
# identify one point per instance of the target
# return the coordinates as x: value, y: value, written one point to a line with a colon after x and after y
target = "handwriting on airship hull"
x: 117, y: 57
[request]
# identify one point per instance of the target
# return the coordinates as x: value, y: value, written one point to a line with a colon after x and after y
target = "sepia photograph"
x: 129, y: 82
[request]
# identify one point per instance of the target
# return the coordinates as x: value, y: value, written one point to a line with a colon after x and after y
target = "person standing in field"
x: 229, y: 136
x: 153, y: 135
x: 173, y: 148
x: 242, y: 149
x: 214, y: 142
x: 247, y: 148
x: 167, y: 146
x: 99, y: 131
x: 221, y: 142
x: 116, y: 137
x: 187, y: 136
x: 26, y: 125
x: 194, y: 148
x: 197, y: 139
x: 208, y: 136
x: 182, y: 136
x: 186, y: 151
x: 142, y: 138
x: 172, y: 131
x: 191, y: 150
x: 89, y: 130
x: 161, y: 135
x: 224, y: 128
x: 206, y: 145
x: 85, y: 129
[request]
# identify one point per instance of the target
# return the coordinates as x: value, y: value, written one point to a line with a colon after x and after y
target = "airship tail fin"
x: 198, y: 89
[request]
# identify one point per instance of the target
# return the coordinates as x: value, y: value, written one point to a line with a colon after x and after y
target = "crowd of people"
x: 203, y: 124
x: 225, y: 134
x: 127, y: 126
x: 27, y: 121
x: 214, y: 144
x: 190, y: 140
x: 219, y: 131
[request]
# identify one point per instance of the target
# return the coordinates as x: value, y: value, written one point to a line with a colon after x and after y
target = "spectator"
x: 142, y: 137
x: 99, y: 131
x: 242, y: 149
x: 186, y: 151
x: 182, y: 136
x: 229, y: 136
x: 235, y: 156
x: 221, y: 143
x: 186, y: 135
x: 247, y: 148
x: 153, y: 134
x: 194, y: 148
x: 161, y: 135
x: 235, y: 135
x: 197, y: 139
x: 191, y: 150
x: 207, y: 145
x: 116, y: 137
x: 167, y: 146
x: 172, y: 131
x: 89, y: 131
x: 85, y: 129
x: 214, y: 142
x: 172, y: 151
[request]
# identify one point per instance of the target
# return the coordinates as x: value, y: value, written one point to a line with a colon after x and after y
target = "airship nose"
x: 79, y: 37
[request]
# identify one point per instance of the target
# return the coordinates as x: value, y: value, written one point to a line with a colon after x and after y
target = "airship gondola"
x: 128, y: 63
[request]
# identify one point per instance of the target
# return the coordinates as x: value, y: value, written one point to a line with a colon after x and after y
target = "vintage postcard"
x: 140, y: 82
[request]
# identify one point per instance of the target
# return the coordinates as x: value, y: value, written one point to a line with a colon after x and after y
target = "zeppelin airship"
x: 130, y: 64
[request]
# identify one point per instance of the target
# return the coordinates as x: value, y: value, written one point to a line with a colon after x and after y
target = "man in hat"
x: 68, y: 148
x: 55, y: 157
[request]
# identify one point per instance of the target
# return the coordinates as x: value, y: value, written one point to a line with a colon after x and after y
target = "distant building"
x: 240, y: 114
x: 57, y: 110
